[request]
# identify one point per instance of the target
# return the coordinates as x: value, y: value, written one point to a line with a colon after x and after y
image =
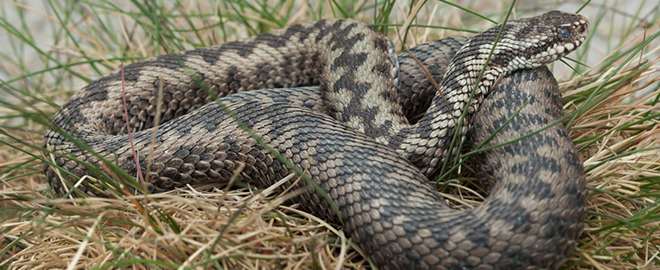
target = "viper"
x: 351, y: 135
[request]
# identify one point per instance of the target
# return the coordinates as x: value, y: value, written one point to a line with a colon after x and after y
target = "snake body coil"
x: 531, y: 219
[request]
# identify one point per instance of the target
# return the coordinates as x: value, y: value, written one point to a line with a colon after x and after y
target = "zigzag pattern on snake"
x: 531, y: 220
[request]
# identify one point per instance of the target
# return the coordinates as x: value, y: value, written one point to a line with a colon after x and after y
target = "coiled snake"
x: 531, y: 220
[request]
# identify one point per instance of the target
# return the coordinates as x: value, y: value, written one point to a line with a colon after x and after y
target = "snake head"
x: 537, y: 41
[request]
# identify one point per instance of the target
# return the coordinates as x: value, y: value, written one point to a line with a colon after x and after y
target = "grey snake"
x: 352, y: 136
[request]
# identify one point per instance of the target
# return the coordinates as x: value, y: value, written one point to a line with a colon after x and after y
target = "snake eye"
x: 564, y: 34
x: 581, y: 29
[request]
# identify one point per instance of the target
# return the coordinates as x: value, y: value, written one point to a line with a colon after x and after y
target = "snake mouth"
x: 565, y: 33
x: 558, y: 51
x: 578, y: 31
x: 574, y: 35
x: 554, y: 35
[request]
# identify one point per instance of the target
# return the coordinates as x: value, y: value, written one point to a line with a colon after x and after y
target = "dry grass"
x: 242, y: 230
x: 616, y: 131
x: 622, y: 174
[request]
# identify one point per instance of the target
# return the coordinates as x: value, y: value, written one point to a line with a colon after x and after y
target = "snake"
x: 331, y: 97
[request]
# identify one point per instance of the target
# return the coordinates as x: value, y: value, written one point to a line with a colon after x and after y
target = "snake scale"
x: 352, y: 136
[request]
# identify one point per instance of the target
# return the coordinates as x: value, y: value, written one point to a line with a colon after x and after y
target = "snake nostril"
x: 581, y: 29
